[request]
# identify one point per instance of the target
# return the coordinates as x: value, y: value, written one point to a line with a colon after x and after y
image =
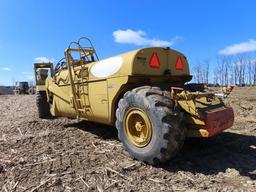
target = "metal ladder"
x: 79, y: 77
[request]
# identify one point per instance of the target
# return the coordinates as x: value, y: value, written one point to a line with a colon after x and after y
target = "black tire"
x: 193, y: 87
x: 17, y: 92
x: 31, y: 91
x: 42, y: 105
x: 167, y: 132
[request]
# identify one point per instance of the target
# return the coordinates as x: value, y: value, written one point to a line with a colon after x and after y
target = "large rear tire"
x: 16, y: 92
x: 42, y: 105
x: 149, y: 125
x: 31, y: 91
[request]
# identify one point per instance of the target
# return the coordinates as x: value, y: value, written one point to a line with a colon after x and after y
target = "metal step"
x: 84, y: 93
x: 81, y: 82
x: 83, y: 110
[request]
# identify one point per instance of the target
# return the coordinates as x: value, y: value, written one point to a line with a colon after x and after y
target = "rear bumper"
x: 218, y: 121
x: 215, y: 122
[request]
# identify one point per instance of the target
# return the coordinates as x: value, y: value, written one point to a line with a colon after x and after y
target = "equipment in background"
x: 22, y: 87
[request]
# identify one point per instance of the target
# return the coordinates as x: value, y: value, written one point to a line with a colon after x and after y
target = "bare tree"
x: 242, y: 69
x: 201, y: 72
x: 198, y: 73
x: 221, y: 69
x: 235, y: 72
x: 254, y: 71
x: 206, y: 72
x: 239, y: 69
x: 216, y: 76
x: 249, y: 72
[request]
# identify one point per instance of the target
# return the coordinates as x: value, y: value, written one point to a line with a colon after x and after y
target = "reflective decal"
x: 154, y: 61
x: 107, y: 67
x: 179, y: 65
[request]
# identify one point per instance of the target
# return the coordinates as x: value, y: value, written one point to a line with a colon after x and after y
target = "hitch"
x: 205, y: 113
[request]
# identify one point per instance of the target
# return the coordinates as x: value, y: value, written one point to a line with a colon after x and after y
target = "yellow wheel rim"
x: 138, y: 127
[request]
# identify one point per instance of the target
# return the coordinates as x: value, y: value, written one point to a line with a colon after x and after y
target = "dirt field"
x: 63, y: 155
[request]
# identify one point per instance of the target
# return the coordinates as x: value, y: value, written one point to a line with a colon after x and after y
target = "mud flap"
x: 219, y: 120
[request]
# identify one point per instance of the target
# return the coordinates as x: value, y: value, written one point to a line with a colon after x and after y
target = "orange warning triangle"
x: 154, y: 61
x: 179, y: 65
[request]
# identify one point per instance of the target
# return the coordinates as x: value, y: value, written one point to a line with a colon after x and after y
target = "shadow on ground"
x: 103, y: 131
x: 217, y: 154
x: 207, y: 156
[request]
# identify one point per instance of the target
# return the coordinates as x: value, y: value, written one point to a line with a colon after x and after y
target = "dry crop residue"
x: 65, y: 155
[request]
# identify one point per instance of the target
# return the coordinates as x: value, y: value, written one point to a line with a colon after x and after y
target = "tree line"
x: 238, y: 70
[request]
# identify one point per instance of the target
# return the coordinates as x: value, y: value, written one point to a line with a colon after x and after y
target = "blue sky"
x: 42, y: 29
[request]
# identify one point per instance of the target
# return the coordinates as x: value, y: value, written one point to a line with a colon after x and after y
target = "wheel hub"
x: 138, y: 127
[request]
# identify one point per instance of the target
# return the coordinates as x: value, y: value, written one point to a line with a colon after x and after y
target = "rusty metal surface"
x: 217, y: 121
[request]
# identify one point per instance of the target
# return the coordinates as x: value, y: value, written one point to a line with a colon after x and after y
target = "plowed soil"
x: 65, y: 155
